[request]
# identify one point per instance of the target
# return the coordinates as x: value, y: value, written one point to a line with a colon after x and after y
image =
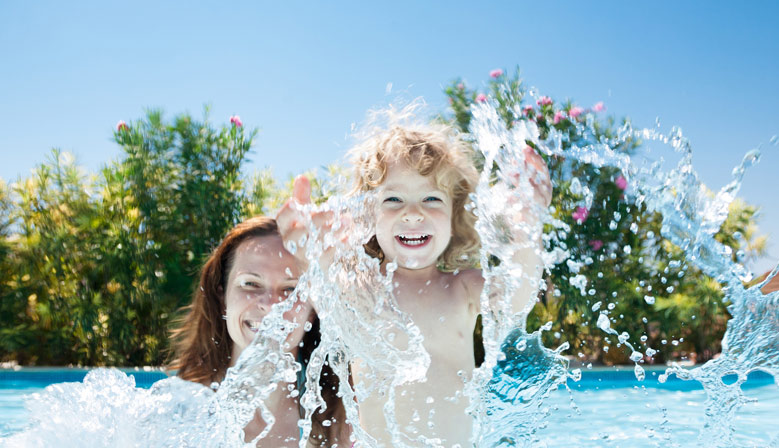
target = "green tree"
x: 626, y: 262
x: 97, y: 266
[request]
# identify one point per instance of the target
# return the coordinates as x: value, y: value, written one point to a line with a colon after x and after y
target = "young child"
x: 423, y: 177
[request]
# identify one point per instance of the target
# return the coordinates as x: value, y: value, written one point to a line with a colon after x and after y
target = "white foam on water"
x: 359, y: 316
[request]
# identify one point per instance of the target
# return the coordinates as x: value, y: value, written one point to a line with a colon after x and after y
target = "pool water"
x: 17, y: 385
x: 606, y: 408
x: 614, y: 411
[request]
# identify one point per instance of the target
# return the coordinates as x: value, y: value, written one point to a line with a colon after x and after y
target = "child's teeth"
x: 413, y: 240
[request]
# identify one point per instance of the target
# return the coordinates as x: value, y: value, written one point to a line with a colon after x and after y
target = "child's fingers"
x: 322, y: 220
x: 301, y: 190
x: 287, y: 219
x: 540, y: 181
x: 534, y: 159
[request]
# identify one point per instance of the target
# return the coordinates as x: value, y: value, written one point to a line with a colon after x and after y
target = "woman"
x: 248, y: 272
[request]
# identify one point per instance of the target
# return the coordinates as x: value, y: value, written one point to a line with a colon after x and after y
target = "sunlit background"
x: 304, y: 72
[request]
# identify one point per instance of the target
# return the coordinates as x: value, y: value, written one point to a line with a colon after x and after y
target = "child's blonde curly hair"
x: 432, y: 150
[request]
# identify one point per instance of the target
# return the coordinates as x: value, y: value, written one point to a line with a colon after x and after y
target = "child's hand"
x: 539, y: 177
x: 292, y: 222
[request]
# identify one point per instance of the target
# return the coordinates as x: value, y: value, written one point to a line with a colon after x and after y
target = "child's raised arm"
x: 528, y: 253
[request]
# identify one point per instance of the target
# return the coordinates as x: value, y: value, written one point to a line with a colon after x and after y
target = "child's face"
x: 414, y: 221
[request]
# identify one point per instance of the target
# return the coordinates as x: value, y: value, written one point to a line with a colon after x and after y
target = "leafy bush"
x: 94, y: 268
x: 627, y: 263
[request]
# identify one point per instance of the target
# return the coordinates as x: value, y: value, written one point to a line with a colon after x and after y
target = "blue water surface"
x: 18, y: 384
x: 607, y: 407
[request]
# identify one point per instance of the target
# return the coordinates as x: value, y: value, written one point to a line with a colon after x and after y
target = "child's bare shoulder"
x: 472, y: 282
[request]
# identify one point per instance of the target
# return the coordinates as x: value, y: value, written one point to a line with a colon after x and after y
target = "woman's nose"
x: 265, y: 301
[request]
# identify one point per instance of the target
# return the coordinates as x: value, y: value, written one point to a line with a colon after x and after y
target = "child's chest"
x: 445, y: 316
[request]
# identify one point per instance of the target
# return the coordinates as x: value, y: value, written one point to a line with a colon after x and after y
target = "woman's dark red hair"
x: 202, y: 347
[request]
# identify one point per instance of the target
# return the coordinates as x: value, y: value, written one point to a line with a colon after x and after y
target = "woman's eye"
x: 288, y: 291
x: 250, y: 284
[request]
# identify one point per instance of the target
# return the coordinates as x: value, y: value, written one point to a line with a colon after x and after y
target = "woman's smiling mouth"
x: 252, y: 325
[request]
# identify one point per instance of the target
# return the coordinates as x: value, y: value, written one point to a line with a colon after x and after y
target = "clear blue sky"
x: 303, y: 72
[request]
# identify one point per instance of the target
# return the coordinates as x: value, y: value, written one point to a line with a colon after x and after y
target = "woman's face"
x: 263, y: 273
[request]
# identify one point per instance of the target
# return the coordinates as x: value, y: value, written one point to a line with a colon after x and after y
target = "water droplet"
x: 649, y: 299
x: 604, y: 323
x: 638, y: 370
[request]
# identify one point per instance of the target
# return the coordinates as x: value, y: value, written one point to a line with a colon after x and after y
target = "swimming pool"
x: 607, y: 407
x: 17, y: 384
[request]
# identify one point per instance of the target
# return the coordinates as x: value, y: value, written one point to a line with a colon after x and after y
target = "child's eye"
x: 432, y: 199
x: 392, y: 199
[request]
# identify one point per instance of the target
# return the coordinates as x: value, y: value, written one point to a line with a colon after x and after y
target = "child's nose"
x: 413, y: 215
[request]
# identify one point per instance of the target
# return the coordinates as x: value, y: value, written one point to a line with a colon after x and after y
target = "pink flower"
x: 526, y: 110
x: 595, y: 244
x: 559, y: 116
x: 497, y: 73
x: 575, y: 111
x: 122, y: 126
x: 481, y: 98
x: 599, y: 107
x: 544, y: 101
x: 236, y: 121
x: 621, y: 182
x: 580, y: 214
x: 460, y: 86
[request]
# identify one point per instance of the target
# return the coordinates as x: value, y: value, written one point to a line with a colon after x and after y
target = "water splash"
x: 360, y: 318
x: 691, y: 217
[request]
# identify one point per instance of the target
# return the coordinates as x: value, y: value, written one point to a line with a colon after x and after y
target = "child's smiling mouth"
x: 413, y: 240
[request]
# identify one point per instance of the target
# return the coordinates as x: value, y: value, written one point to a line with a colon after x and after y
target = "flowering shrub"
x: 97, y: 266
x: 94, y: 267
x: 622, y: 254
